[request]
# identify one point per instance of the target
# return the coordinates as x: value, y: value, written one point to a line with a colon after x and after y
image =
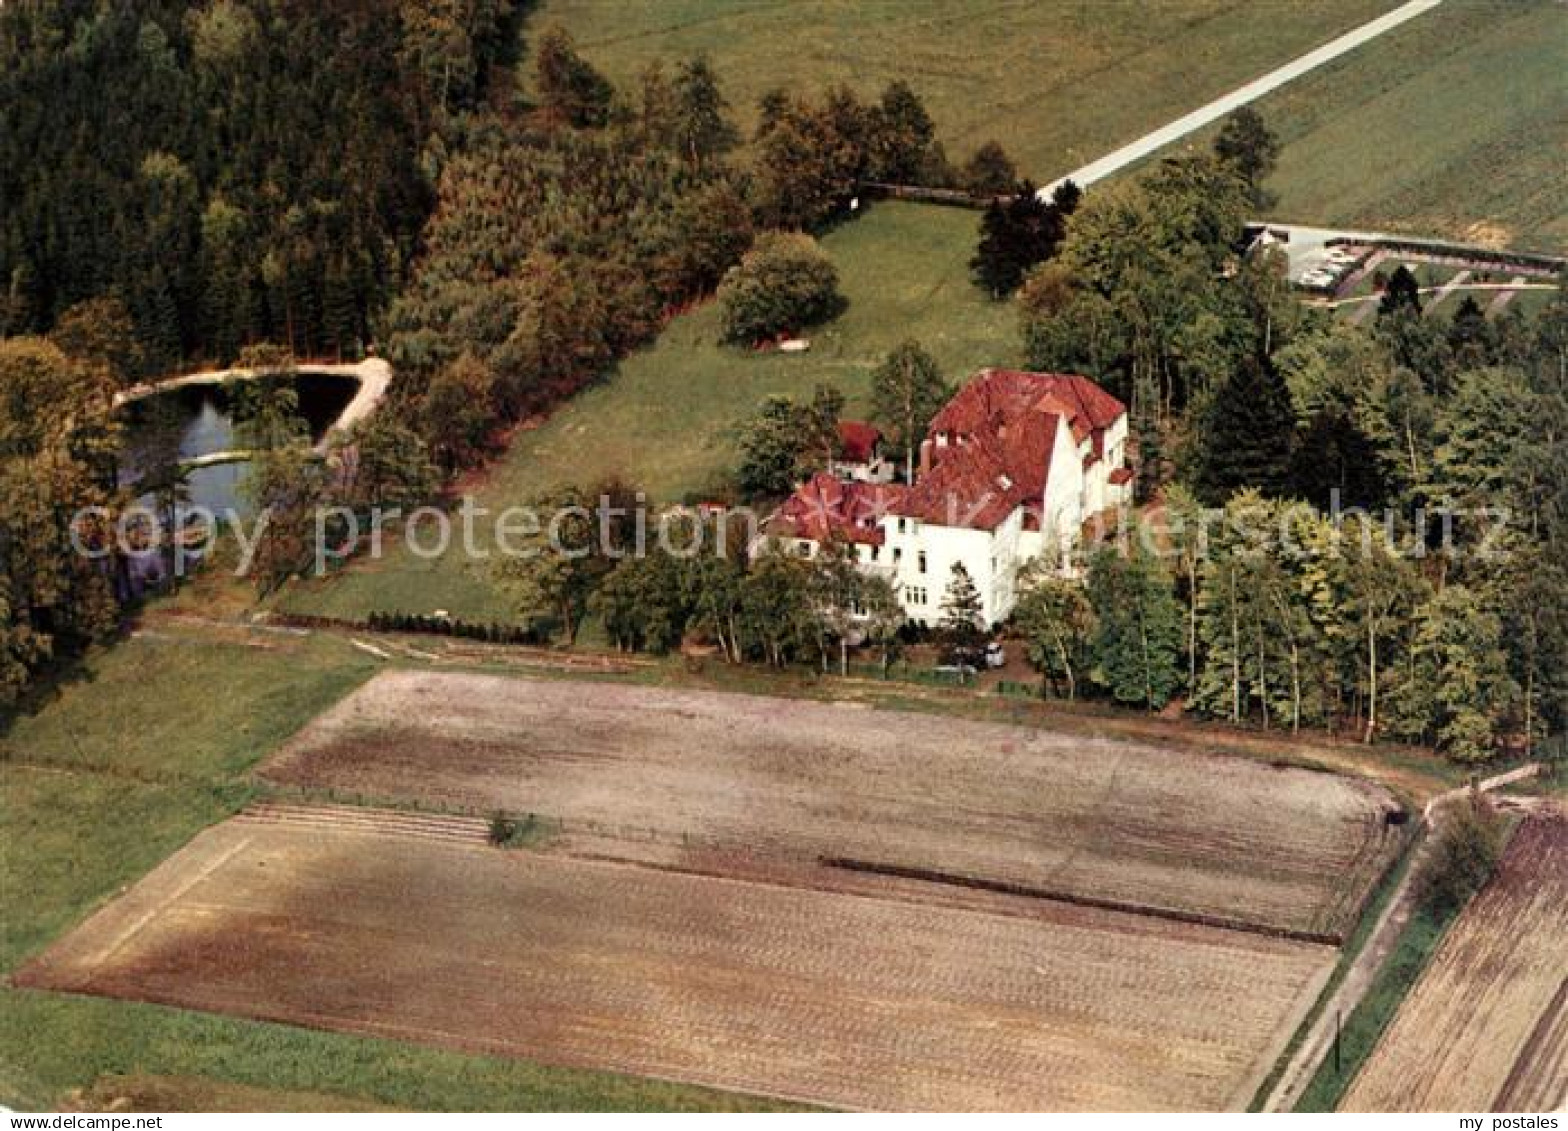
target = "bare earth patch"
x: 1486, y: 1027
x: 683, y: 779
x: 819, y: 996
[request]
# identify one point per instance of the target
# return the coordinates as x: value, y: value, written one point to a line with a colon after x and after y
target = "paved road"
x: 1257, y: 88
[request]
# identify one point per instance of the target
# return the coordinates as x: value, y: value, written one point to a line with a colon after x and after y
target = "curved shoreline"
x: 374, y: 375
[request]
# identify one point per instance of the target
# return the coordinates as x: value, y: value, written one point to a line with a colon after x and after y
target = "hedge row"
x: 493, y: 632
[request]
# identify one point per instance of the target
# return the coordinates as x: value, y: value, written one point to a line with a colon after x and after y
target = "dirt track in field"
x: 839, y: 999
x: 685, y: 778
x: 1486, y: 1027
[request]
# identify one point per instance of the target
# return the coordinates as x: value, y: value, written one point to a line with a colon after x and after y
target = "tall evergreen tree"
x: 901, y: 136
x: 962, y: 623
x: 990, y: 172
x: 1401, y: 293
x: 1245, y: 438
x: 571, y: 91
x: 1017, y: 234
x: 1246, y: 143
x: 703, y: 132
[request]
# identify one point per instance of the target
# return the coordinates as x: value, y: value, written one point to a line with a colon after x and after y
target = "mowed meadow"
x: 1454, y: 124
x: 1058, y: 83
x: 665, y: 418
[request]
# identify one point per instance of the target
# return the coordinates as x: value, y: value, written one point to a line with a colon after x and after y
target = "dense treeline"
x: 232, y: 172
x: 53, y: 465
x: 1435, y: 608
x: 566, y: 236
x: 276, y: 179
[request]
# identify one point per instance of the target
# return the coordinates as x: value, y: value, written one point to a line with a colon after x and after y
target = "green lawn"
x: 147, y: 744
x: 1057, y: 82
x: 151, y: 741
x: 1454, y: 124
x: 51, y: 1043
x: 665, y: 418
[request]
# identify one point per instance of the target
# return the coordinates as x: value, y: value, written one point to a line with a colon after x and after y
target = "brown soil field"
x: 684, y: 778
x: 845, y: 1000
x: 1486, y: 1027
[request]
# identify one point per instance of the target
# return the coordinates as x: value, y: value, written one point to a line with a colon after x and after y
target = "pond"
x: 201, y: 419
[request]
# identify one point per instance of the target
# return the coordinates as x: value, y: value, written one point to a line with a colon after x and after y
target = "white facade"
x: 877, y: 469
x: 1085, y: 477
x: 918, y: 556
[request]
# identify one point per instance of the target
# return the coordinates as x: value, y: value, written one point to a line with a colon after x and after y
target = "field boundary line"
x: 1026, y: 891
x: 91, y: 961
x: 1241, y: 1099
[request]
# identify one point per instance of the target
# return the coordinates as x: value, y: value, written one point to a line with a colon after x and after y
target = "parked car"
x: 995, y: 655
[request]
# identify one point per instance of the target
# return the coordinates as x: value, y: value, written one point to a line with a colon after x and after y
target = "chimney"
x: 925, y: 456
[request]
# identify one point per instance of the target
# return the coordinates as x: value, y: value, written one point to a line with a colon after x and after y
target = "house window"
x: 900, y: 526
x: 920, y: 562
x: 876, y: 551
x: 898, y: 555
x: 803, y: 548
x: 917, y: 595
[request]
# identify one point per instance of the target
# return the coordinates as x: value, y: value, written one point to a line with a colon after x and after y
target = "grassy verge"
x: 51, y: 1044
x: 1375, y: 906
x: 139, y: 748
x: 1365, y: 1025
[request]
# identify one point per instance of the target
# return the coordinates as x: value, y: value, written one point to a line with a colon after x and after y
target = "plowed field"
x: 1486, y: 1027
x: 684, y: 778
x: 407, y: 931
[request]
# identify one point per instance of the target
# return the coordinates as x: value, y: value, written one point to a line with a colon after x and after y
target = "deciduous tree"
x: 1057, y: 623
x: 1137, y: 639
x: 907, y: 390
x: 783, y: 284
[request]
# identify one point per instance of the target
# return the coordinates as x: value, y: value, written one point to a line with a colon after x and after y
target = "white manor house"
x: 1011, y: 469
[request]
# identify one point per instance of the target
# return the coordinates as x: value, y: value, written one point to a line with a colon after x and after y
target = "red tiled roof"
x: 979, y: 481
x: 828, y: 507
x: 999, y: 395
x: 1001, y: 430
x: 858, y: 440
